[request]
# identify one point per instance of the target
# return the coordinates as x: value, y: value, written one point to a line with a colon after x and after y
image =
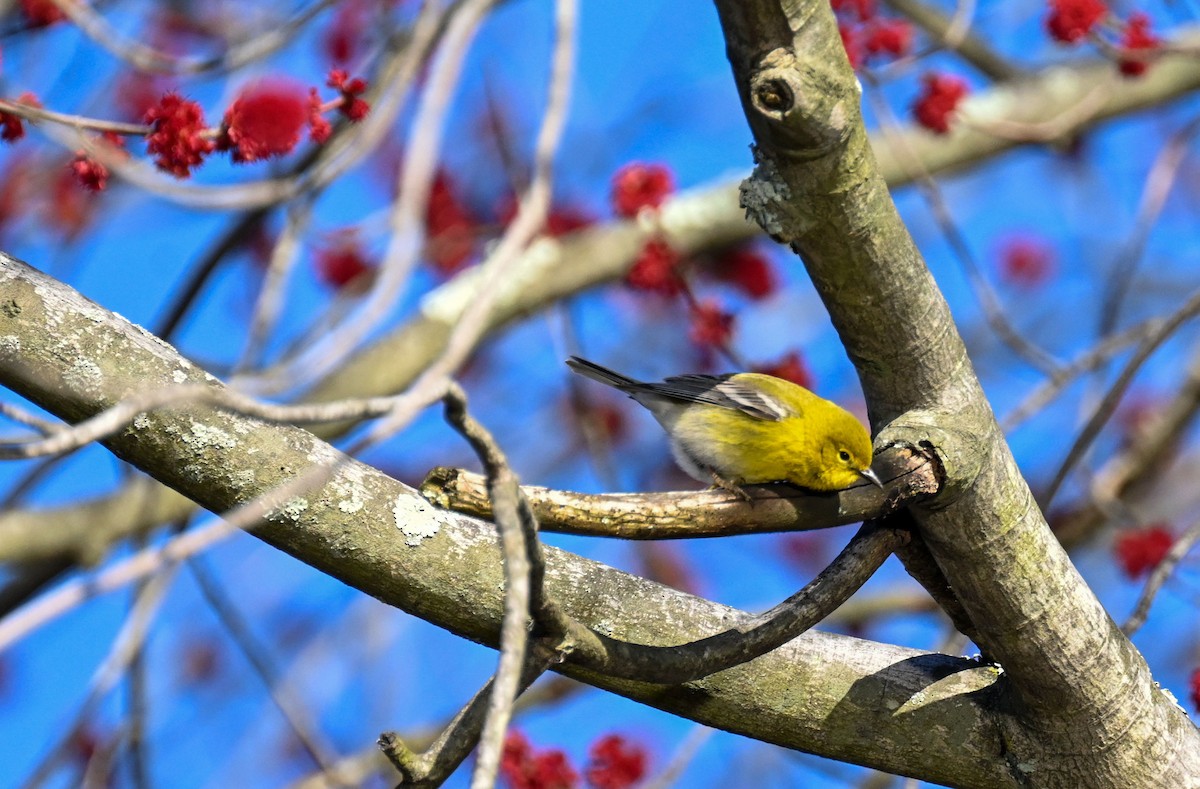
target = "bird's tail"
x: 601, y: 374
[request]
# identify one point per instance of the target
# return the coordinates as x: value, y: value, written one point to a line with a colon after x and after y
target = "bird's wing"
x: 723, y: 392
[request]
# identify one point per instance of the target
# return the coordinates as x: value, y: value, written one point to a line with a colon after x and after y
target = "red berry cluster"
x: 939, y: 97
x: 868, y: 36
x: 1139, y: 552
x: 613, y: 763
x: 1072, y: 21
x: 639, y: 189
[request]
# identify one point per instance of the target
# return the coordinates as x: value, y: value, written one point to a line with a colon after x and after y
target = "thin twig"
x: 1091, y: 359
x: 1158, y: 185
x: 680, y: 759
x: 289, y: 705
x: 993, y: 312
x: 148, y: 59
x: 150, y: 560
x: 124, y: 648
x: 457, y: 739
x: 748, y: 638
x: 515, y: 543
x: 1108, y: 404
x: 1159, y: 577
x: 115, y: 418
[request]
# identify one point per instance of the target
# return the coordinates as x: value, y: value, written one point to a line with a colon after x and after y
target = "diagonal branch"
x: 819, y: 692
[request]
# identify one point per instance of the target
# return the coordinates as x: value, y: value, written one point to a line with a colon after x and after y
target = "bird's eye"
x: 844, y: 455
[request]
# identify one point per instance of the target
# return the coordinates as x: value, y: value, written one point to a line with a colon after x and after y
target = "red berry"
x: 1026, y: 262
x: 636, y: 186
x: 1139, y: 552
x: 939, y: 97
x: 264, y: 121
x: 177, y: 138
x: 1070, y: 21
x: 711, y: 326
x: 615, y: 763
x: 790, y: 368
x: 656, y: 269
x: 748, y: 269
x: 1137, y: 38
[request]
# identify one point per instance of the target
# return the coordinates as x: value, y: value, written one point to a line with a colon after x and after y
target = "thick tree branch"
x: 1085, y: 709
x: 887, y: 707
x: 692, y: 222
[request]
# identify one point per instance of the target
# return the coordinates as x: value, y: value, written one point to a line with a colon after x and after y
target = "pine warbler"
x: 749, y: 428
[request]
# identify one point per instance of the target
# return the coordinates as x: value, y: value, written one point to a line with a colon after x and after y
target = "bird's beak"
x: 869, y: 473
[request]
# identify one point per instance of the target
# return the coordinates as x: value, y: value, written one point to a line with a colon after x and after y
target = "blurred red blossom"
x: 41, y: 13
x: 852, y: 42
x: 344, y: 37
x: 1026, y: 261
x: 1069, y: 21
x: 351, y: 105
x: 748, y: 269
x: 791, y: 367
x: 888, y: 36
x: 67, y: 209
x: 1140, y: 551
x: 319, y: 128
x: 1194, y: 687
x: 264, y: 121
x: 452, y: 228
x: 862, y: 9
x: 656, y: 269
x: 615, y: 763
x: 177, y: 140
x: 524, y: 768
x: 12, y: 126
x: 91, y: 174
x: 939, y: 97
x: 137, y: 92
x: 1137, y: 39
x: 711, y: 326
x: 342, y: 260
x: 638, y: 185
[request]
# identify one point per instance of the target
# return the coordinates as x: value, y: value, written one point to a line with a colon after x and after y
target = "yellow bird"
x: 750, y: 428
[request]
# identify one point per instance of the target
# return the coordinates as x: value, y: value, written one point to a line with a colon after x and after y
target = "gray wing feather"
x: 716, y: 390
x: 722, y: 392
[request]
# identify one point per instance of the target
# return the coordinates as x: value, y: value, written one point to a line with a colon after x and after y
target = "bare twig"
x: 1158, y: 185
x: 432, y: 767
x: 1159, y: 577
x: 125, y: 647
x: 1108, y: 404
x: 150, y: 560
x: 1088, y: 361
x: 289, y: 705
x: 749, y: 638
x: 148, y: 59
x: 993, y: 312
x: 112, y: 420
x: 678, y: 515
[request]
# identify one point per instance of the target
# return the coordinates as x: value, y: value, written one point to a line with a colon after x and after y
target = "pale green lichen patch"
x: 418, y: 519
x: 290, y: 510
x: 208, y: 437
x: 84, y: 374
x: 10, y: 344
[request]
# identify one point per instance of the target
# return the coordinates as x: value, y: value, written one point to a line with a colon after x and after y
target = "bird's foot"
x: 724, y: 484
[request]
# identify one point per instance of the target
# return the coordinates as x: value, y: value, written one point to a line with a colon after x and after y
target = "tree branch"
x: 1077, y: 687
x: 887, y: 707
